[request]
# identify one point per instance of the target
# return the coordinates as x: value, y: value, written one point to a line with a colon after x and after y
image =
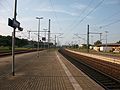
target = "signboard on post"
x: 14, y: 23
x: 10, y: 22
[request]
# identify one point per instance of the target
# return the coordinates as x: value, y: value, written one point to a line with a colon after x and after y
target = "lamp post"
x: 49, y: 27
x: 39, y: 18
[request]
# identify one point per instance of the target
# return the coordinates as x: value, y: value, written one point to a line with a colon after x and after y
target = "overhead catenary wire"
x: 4, y: 5
x: 55, y: 15
x: 113, y: 15
x: 108, y: 18
x: 9, y: 4
x: 117, y: 21
x: 88, y: 14
x: 83, y: 11
x: 24, y: 35
x: 5, y: 12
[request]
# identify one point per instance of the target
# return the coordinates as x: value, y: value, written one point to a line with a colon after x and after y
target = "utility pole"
x: 100, y: 37
x: 58, y: 41
x: 88, y: 38
x: 49, y: 34
x: 92, y: 40
x: 106, y: 40
x: 38, y: 33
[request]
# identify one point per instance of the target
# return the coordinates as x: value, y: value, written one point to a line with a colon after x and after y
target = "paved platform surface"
x: 51, y: 71
x: 109, y: 59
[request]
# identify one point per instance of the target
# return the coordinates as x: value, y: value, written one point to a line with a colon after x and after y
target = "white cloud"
x: 57, y: 10
x: 47, y: 7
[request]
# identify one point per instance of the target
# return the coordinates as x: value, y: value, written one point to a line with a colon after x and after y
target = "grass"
x: 6, y: 49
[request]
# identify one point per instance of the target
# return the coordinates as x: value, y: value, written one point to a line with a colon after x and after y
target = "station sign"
x: 13, y: 23
x: 16, y: 23
x: 10, y: 22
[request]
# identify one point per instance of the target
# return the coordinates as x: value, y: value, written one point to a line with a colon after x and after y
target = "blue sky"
x: 65, y: 18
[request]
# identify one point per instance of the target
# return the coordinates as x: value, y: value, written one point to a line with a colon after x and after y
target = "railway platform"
x: 49, y: 71
x: 104, y: 58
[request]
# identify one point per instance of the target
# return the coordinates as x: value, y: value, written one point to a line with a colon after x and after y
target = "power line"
x: 113, y: 15
x: 4, y: 6
x: 88, y: 14
x: 109, y: 17
x: 117, y: 21
x: 52, y: 7
x: 4, y: 11
x: 7, y: 2
x: 1, y: 4
x: 24, y: 35
x: 83, y: 11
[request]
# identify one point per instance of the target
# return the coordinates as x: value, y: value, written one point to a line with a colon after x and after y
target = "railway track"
x: 107, y: 82
x: 16, y: 52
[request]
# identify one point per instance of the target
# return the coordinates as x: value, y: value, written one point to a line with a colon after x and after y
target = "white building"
x: 108, y: 47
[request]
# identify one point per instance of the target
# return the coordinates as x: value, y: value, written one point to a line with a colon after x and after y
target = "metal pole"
x: 38, y: 36
x: 49, y: 34
x: 13, y: 41
x: 88, y: 38
x: 106, y: 40
x: 91, y: 40
x: 100, y: 36
x: 45, y: 37
x: 55, y: 41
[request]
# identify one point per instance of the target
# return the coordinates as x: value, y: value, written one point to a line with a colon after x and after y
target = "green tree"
x: 7, y: 41
x: 97, y: 42
x: 118, y: 42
